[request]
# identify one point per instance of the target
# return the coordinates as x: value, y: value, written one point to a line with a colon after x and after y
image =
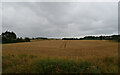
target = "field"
x: 66, y: 56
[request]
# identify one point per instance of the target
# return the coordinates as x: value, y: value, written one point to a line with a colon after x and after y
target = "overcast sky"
x: 60, y: 19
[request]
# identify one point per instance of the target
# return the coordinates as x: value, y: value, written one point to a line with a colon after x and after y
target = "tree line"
x: 112, y: 37
x: 10, y: 37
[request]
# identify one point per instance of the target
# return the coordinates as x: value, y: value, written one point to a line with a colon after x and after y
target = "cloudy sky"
x: 60, y: 19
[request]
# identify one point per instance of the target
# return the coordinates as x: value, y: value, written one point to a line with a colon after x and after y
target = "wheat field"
x: 64, y: 48
x: 99, y: 52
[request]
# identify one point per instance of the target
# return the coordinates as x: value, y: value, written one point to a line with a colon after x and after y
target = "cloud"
x: 60, y: 19
x: 0, y: 18
x: 59, y: 0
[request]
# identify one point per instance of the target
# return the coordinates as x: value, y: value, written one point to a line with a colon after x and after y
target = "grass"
x: 32, y: 64
x: 50, y: 56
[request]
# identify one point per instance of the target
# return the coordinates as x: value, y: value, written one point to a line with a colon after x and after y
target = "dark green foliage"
x: 20, y: 40
x: 10, y: 37
x: 43, y: 38
x: 92, y: 38
x: 27, y: 39
x: 70, y: 39
x: 33, y: 38
x: 113, y: 37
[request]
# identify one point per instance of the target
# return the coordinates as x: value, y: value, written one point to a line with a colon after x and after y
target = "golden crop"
x: 100, y: 52
x: 83, y: 49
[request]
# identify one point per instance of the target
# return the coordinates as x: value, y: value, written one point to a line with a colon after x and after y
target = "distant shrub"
x: 21, y: 40
x: 27, y: 39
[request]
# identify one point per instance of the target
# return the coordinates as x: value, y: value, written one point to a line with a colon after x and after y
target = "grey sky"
x: 59, y: 0
x: 60, y: 19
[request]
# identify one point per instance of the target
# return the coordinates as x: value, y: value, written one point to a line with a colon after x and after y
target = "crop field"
x: 56, y: 56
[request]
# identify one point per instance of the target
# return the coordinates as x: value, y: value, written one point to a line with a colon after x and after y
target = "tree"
x: 8, y: 37
x: 101, y: 37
